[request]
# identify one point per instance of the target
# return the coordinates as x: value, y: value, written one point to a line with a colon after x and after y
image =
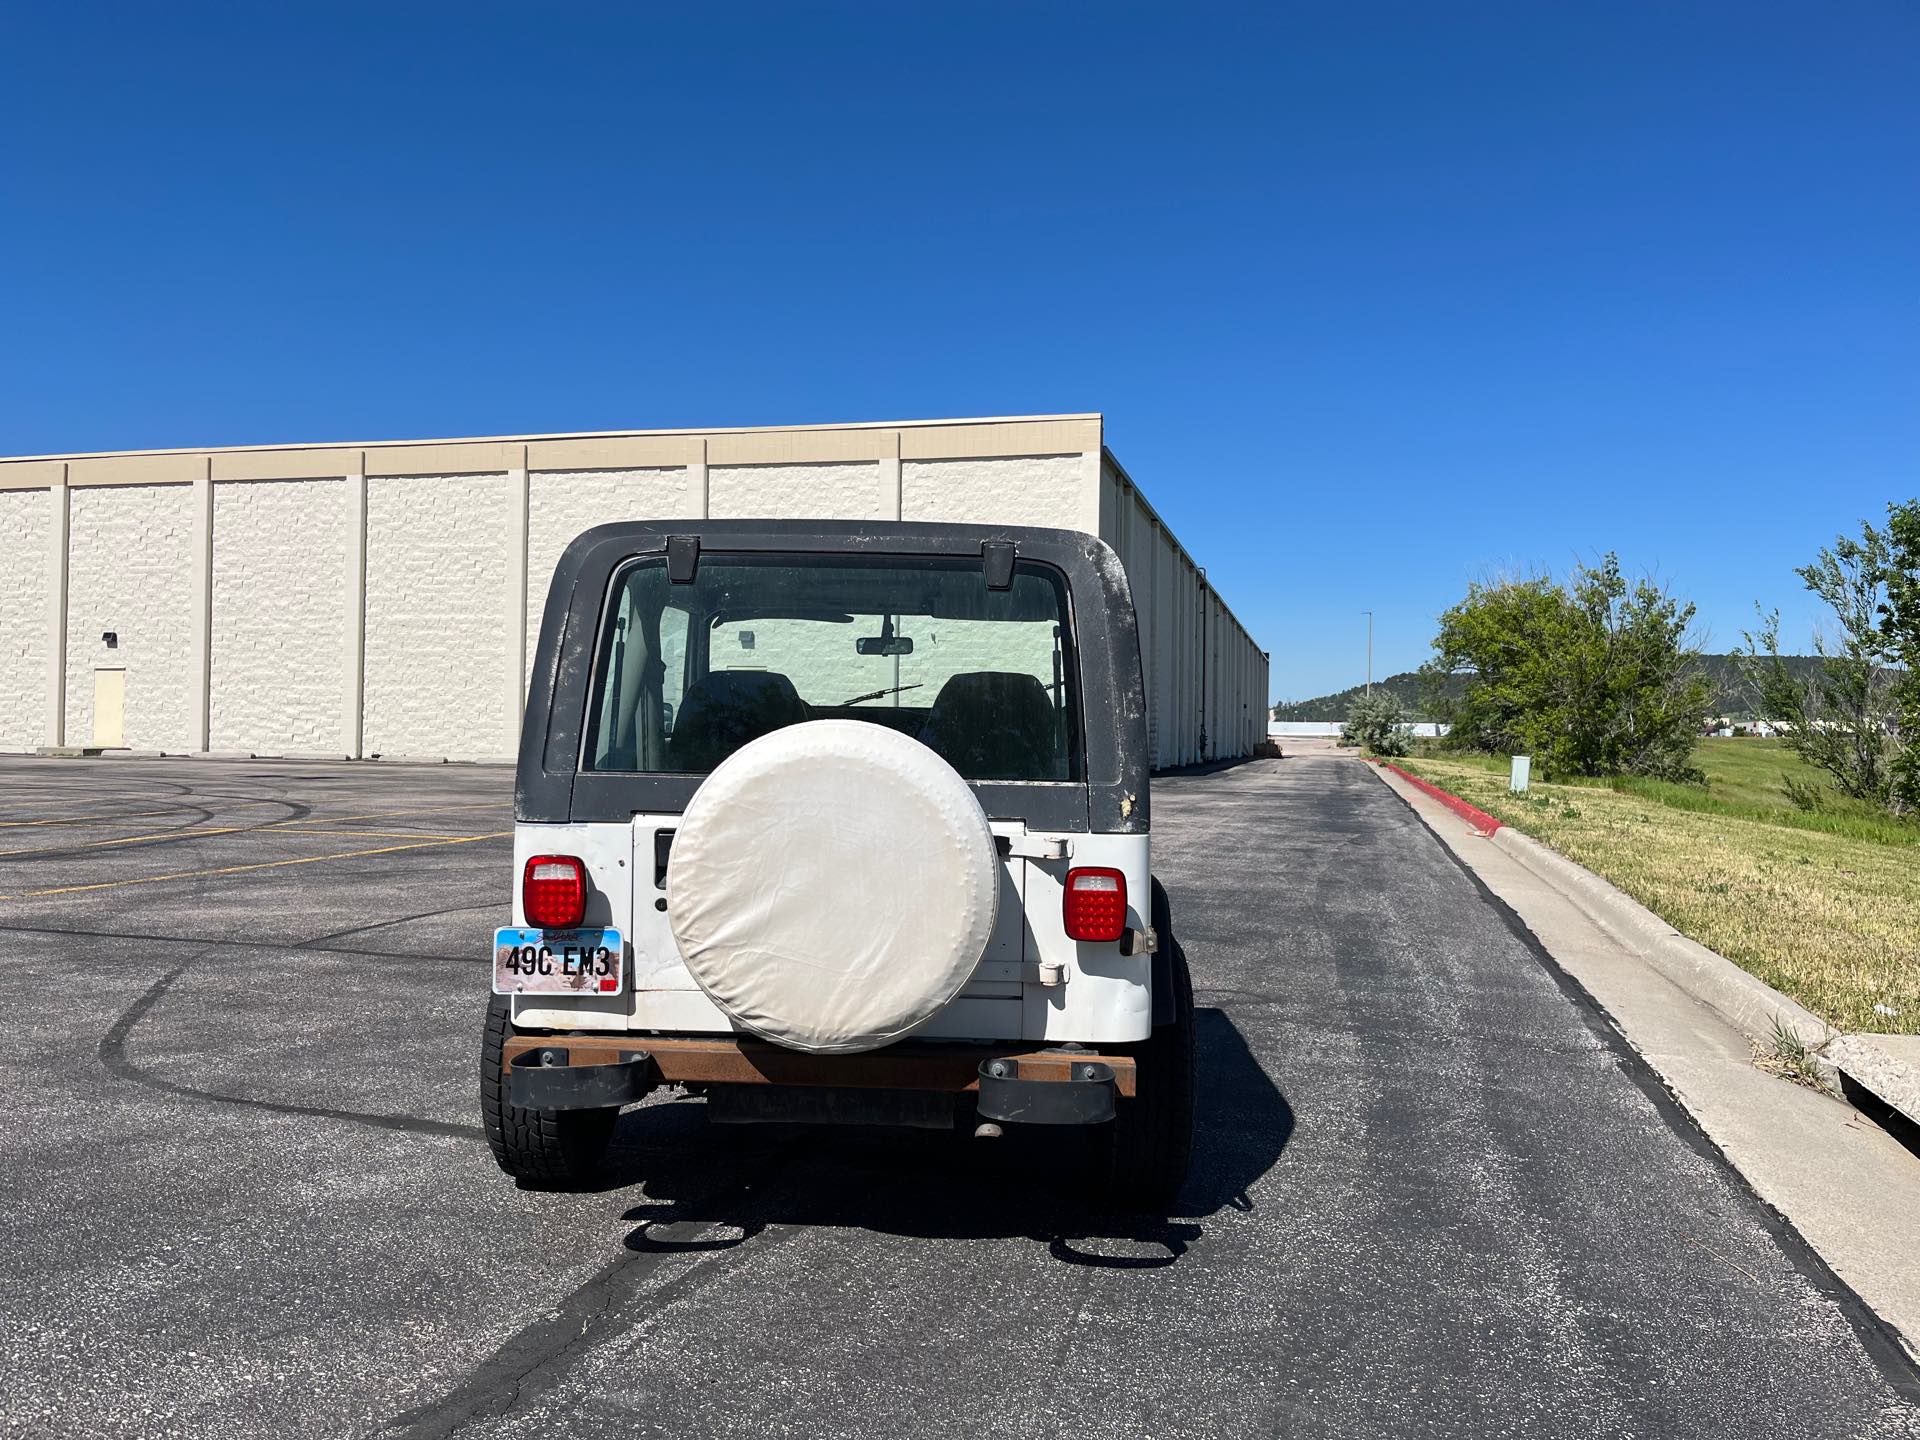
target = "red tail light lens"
x: 553, y: 892
x: 1096, y: 904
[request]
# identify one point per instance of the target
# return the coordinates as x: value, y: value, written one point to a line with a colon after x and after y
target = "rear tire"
x: 1151, y: 1143
x: 543, y: 1149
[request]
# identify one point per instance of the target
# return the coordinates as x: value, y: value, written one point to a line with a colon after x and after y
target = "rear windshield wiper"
x: 880, y: 694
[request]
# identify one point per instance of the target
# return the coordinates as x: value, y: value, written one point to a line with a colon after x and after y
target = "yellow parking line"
x: 91, y: 819
x: 391, y: 814
x: 129, y: 840
x: 385, y: 834
x: 243, y: 869
x: 230, y: 830
x: 305, y: 827
x: 236, y: 801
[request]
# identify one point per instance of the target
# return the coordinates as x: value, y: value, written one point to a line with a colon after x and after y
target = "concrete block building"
x: 380, y: 600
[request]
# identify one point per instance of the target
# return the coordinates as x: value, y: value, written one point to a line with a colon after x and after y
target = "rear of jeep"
x: 838, y: 823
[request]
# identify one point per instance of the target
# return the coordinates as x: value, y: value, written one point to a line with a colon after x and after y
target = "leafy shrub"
x: 1378, y: 723
x: 1594, y: 677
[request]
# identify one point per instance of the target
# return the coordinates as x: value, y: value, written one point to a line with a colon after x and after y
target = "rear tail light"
x: 1096, y: 904
x: 553, y: 892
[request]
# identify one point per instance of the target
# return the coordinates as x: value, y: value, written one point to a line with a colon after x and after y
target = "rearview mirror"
x: 884, y: 645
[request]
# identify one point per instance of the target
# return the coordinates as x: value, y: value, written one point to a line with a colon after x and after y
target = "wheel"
x: 546, y: 1149
x: 1152, y: 1133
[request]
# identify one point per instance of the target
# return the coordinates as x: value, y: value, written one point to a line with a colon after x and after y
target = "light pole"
x: 1369, y: 615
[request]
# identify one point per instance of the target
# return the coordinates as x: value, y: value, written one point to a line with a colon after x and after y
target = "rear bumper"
x: 1012, y: 1082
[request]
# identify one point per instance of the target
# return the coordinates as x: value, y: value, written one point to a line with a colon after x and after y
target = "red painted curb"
x: 1472, y: 814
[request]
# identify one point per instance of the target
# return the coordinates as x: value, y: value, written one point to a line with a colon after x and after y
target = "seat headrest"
x: 995, y: 725
x: 724, y: 709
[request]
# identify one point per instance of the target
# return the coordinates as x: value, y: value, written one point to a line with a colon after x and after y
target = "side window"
x: 627, y: 722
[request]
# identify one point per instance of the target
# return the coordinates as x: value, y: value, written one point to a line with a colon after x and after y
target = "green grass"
x: 1746, y: 779
x: 1823, y: 906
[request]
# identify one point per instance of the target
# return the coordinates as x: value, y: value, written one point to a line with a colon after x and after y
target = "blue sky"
x: 1376, y: 298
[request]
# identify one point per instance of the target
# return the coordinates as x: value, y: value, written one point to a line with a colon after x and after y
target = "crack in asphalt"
x: 594, y: 1311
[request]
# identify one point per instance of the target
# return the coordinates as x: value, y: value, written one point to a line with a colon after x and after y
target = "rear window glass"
x: 686, y: 674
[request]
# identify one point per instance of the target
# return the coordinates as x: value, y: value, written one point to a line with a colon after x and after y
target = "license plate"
x: 558, y: 962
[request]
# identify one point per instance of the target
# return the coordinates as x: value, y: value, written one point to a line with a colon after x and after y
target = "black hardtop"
x: 550, y: 787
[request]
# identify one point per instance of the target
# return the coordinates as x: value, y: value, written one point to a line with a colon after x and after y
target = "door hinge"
x: 1034, y: 847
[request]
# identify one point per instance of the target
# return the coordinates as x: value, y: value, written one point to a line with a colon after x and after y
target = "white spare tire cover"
x: 832, y: 885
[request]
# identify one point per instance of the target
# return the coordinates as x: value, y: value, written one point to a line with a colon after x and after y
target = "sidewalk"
x: 1846, y: 1185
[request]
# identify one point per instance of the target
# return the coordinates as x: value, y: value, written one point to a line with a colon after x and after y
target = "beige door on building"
x: 110, y: 708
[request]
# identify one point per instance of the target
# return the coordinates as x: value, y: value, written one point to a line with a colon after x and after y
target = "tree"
x: 1900, y: 625
x: 1377, y: 722
x: 1841, y: 717
x: 1597, y: 677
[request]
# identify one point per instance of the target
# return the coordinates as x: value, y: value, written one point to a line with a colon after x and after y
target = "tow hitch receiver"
x: 544, y: 1079
x: 1084, y: 1097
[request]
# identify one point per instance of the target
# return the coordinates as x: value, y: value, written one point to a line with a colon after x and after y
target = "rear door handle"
x: 1033, y: 847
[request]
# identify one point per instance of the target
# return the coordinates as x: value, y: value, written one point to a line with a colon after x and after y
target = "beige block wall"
x: 279, y: 616
x: 563, y: 504
x: 445, y: 619
x: 1009, y: 490
x: 26, y: 520
x: 130, y: 572
x: 861, y: 491
x: 437, y: 648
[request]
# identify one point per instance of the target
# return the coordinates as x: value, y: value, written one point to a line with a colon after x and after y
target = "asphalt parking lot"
x: 1434, y: 1194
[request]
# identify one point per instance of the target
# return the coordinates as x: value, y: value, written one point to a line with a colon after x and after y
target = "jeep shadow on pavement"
x: 711, y: 1187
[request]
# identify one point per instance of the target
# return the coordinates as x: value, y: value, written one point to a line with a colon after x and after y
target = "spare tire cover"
x: 832, y: 885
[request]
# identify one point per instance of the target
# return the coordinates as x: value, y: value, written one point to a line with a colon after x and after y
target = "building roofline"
x: 553, y: 435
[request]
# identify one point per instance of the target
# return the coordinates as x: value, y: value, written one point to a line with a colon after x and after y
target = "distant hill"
x: 1334, y: 707
x: 1730, y: 695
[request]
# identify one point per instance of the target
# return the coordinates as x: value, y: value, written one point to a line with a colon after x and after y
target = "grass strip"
x: 1830, y: 916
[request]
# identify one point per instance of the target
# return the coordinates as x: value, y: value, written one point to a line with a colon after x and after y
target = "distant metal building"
x: 380, y: 599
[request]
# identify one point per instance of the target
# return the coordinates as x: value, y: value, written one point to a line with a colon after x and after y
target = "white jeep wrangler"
x: 838, y: 822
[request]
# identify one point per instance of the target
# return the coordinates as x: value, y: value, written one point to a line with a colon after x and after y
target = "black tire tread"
x: 545, y: 1149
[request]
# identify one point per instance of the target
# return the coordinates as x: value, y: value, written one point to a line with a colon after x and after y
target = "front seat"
x: 724, y: 709
x: 995, y: 725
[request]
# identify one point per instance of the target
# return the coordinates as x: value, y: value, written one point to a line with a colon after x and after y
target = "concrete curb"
x: 1750, y: 1005
x: 1472, y: 814
x: 1864, y: 1059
